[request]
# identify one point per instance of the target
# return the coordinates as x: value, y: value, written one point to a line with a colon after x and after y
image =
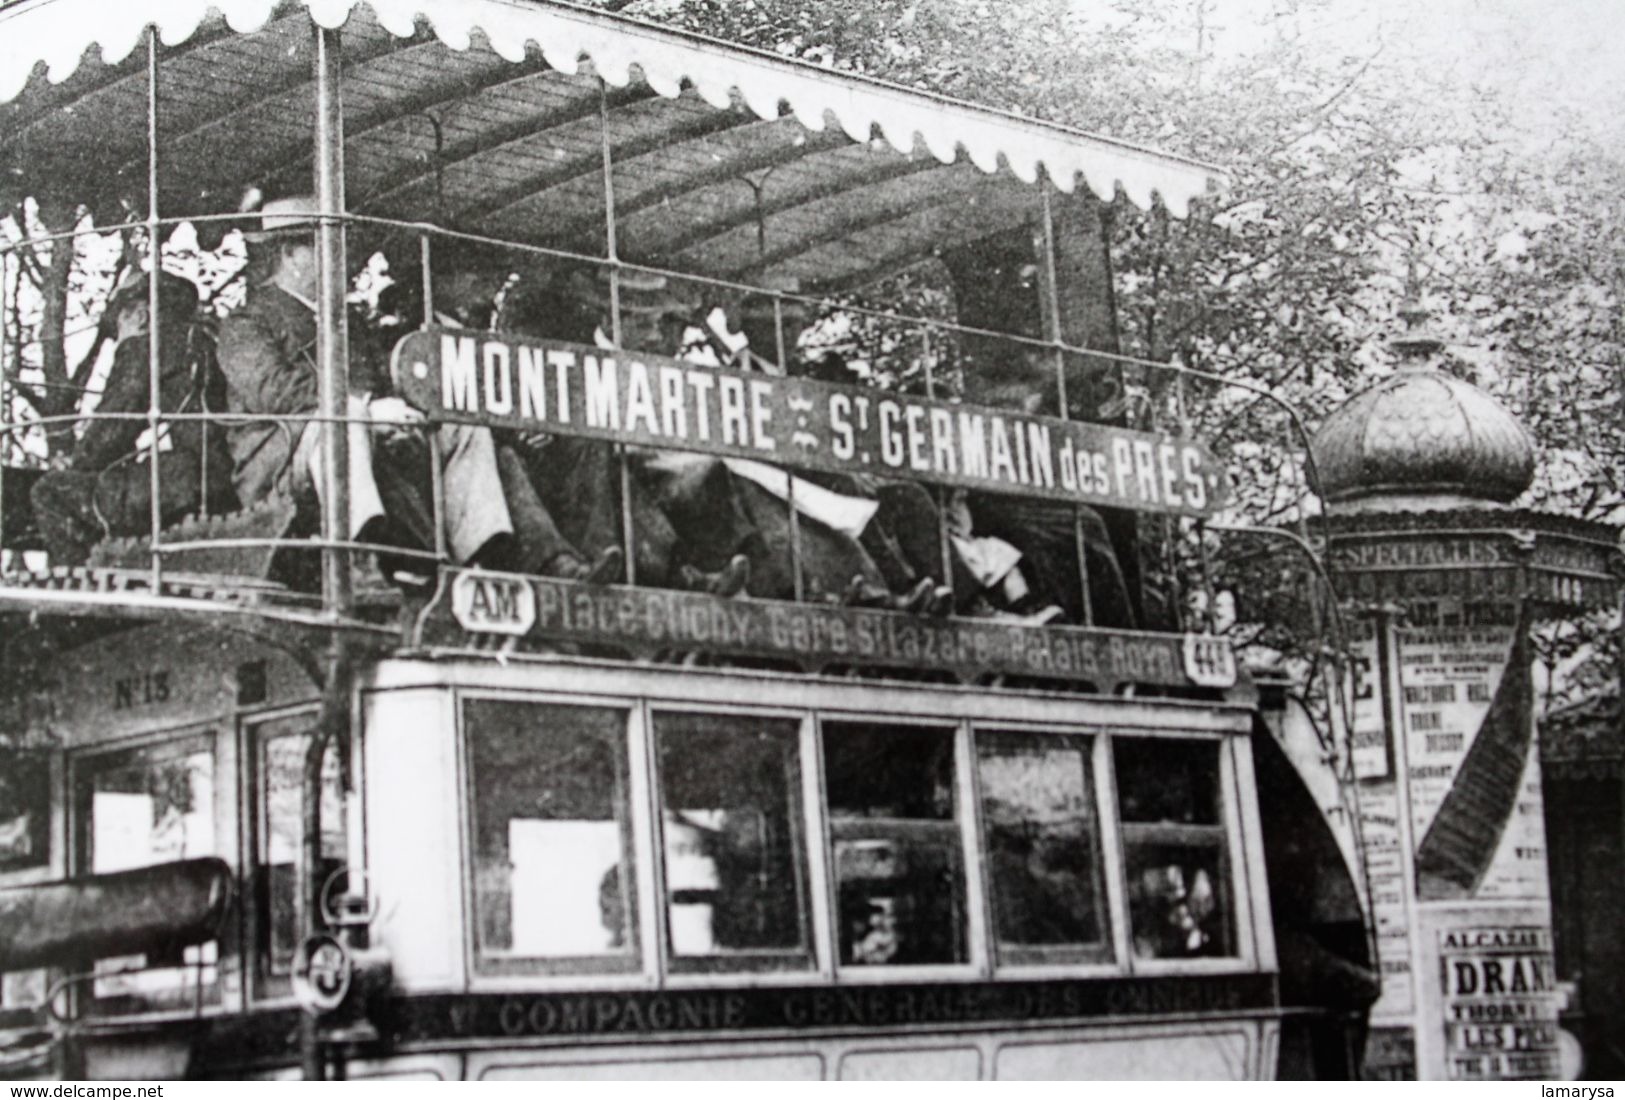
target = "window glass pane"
x: 1174, y: 847
x: 139, y: 808
x: 283, y: 745
x: 25, y: 810
x: 899, y: 869
x: 1163, y: 779
x: 731, y: 833
x: 554, y: 887
x: 1043, y: 848
x: 23, y: 989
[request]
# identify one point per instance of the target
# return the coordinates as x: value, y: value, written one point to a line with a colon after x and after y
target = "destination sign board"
x: 645, y: 620
x: 577, y: 389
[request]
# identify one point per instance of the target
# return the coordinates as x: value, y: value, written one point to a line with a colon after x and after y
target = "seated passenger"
x: 268, y: 356
x: 905, y: 536
x: 689, y: 529
x: 834, y: 563
x: 575, y: 479
x: 104, y: 486
x: 468, y: 278
x: 1046, y: 531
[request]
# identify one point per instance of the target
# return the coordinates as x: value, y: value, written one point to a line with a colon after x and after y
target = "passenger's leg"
x: 366, y: 505
x: 1046, y: 534
x: 578, y: 480
x: 829, y: 560
x: 907, y: 530
x: 701, y: 499
x: 66, y: 515
x: 475, y: 510
x: 541, y: 547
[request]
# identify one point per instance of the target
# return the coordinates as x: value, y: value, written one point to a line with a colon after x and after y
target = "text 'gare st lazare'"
x: 549, y: 385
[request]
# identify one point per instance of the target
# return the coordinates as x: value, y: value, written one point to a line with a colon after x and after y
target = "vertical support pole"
x: 1050, y: 304
x: 945, y: 546
x: 333, y: 389
x: 612, y: 253
x: 798, y: 583
x: 1204, y: 559
x: 778, y: 333
x: 154, y: 321
x: 437, y: 471
x: 332, y: 351
x: 1317, y: 592
x: 1170, y: 564
x: 5, y: 392
x: 426, y: 266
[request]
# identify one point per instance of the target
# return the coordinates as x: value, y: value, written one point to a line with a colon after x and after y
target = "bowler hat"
x: 642, y: 292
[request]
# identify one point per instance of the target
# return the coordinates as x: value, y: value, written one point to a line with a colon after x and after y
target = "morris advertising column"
x: 1446, y: 580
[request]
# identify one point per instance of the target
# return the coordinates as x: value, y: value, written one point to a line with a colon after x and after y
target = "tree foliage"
x: 1347, y: 171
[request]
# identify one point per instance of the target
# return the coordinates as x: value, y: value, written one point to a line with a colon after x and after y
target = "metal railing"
x: 1158, y: 398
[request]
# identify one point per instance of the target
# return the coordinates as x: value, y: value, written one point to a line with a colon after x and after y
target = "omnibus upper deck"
x: 493, y: 823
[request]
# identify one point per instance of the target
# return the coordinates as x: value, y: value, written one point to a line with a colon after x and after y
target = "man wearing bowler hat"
x: 103, y: 486
x: 268, y: 355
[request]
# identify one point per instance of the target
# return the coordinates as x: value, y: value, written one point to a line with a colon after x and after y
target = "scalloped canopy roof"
x: 483, y: 115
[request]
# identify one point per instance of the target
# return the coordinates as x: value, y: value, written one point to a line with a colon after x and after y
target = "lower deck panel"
x: 1222, y: 1050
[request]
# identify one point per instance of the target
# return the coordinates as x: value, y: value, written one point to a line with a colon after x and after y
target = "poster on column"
x: 1470, y: 758
x: 1385, y: 872
x: 1500, y: 1003
x: 1370, y: 747
x: 1382, y: 839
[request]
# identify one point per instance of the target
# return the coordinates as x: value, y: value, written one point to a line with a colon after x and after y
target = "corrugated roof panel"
x: 455, y: 118
x: 57, y: 34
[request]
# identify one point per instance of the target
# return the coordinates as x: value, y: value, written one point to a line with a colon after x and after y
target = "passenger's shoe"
x: 1043, y: 616
x: 923, y: 598
x: 917, y: 600
x: 730, y: 580
x: 605, y: 570
x: 860, y: 592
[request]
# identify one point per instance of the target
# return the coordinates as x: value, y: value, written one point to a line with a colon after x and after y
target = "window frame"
x: 815, y: 878
x: 1110, y: 959
x: 814, y: 715
x: 978, y: 956
x: 42, y: 869
x: 1233, y: 862
x: 536, y: 973
x: 82, y: 764
x: 266, y: 983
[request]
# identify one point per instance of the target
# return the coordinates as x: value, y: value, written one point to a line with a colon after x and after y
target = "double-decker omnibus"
x: 263, y: 819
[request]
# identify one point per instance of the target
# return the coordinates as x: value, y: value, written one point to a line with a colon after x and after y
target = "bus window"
x: 25, y: 810
x: 282, y: 747
x: 1041, y: 835
x: 897, y: 847
x: 1178, y: 870
x: 735, y: 868
x: 554, y: 888
x: 136, y: 808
